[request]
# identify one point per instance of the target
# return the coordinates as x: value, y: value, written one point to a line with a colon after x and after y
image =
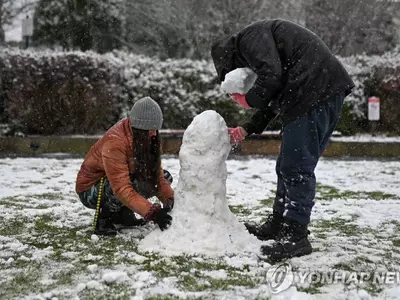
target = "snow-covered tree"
x: 79, y: 24
x: 187, y: 28
x: 352, y: 26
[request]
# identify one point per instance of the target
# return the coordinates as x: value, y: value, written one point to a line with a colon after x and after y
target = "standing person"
x: 301, y: 83
x: 123, y: 169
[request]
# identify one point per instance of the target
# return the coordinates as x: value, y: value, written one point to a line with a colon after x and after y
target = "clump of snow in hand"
x: 239, y: 81
x: 202, y: 222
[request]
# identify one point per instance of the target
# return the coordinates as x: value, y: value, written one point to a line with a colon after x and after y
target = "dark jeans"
x: 303, y: 142
x: 89, y: 197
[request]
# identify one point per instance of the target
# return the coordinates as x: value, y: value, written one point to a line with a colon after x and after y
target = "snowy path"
x: 46, y: 248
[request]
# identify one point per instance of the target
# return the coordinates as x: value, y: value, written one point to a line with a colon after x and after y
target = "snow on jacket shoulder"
x: 112, y: 156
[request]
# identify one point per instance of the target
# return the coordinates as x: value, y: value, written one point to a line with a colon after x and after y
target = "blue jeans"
x: 89, y: 197
x: 303, y: 142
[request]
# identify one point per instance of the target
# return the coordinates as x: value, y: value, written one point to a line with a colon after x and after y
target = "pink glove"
x: 236, y: 135
x: 240, y: 99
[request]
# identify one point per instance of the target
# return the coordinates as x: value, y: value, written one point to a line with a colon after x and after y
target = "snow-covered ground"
x: 47, y: 251
x: 367, y: 138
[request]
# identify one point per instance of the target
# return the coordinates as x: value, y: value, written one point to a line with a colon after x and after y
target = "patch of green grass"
x: 359, y: 263
x: 108, y: 246
x: 395, y: 223
x: 343, y: 226
x: 165, y: 297
x: 396, y: 242
x: 116, y: 292
x: 239, y: 210
x: 192, y: 283
x: 35, y: 182
x: 11, y: 199
x: 378, y: 195
x: 61, y: 239
x: 49, y: 196
x: 183, y: 264
x: 161, y: 268
x: 321, y: 235
x: 21, y: 283
x: 12, y: 227
x: 268, y: 201
x: 197, y: 282
x: 313, y: 289
x: 65, y: 277
x: 234, y: 279
x: 326, y: 192
x: 41, y: 206
x: 42, y: 223
x: 10, y: 204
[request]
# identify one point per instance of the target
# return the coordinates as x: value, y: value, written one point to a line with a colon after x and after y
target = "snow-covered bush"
x: 183, y: 88
x: 372, y: 75
x: 58, y: 93
x: 83, y: 92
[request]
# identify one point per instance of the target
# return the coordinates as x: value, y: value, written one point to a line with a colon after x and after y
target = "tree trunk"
x: 2, y: 35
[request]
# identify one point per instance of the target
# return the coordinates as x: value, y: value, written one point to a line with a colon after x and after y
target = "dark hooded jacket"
x: 296, y: 70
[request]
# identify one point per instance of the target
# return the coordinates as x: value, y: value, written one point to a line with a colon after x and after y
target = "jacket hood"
x: 223, y: 55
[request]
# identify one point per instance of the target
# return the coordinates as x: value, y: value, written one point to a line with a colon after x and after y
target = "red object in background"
x: 374, y: 108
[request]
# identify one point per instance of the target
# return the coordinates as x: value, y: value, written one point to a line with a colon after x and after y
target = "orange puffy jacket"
x: 112, y: 156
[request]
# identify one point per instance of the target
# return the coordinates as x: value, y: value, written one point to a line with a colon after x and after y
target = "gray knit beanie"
x: 146, y: 114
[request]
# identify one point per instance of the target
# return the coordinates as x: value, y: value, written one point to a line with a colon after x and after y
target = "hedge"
x: 49, y: 92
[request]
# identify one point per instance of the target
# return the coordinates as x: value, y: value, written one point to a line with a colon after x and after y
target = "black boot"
x: 104, y: 225
x: 294, y: 242
x: 270, y: 230
x: 126, y: 218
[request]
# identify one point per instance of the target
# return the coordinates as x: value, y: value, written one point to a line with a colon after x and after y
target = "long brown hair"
x: 147, y: 161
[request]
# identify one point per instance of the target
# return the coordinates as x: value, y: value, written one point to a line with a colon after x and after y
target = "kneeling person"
x: 123, y: 169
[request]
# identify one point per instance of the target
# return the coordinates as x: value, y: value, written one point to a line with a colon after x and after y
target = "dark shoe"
x: 270, y: 230
x: 126, y: 218
x: 105, y: 227
x: 294, y: 242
